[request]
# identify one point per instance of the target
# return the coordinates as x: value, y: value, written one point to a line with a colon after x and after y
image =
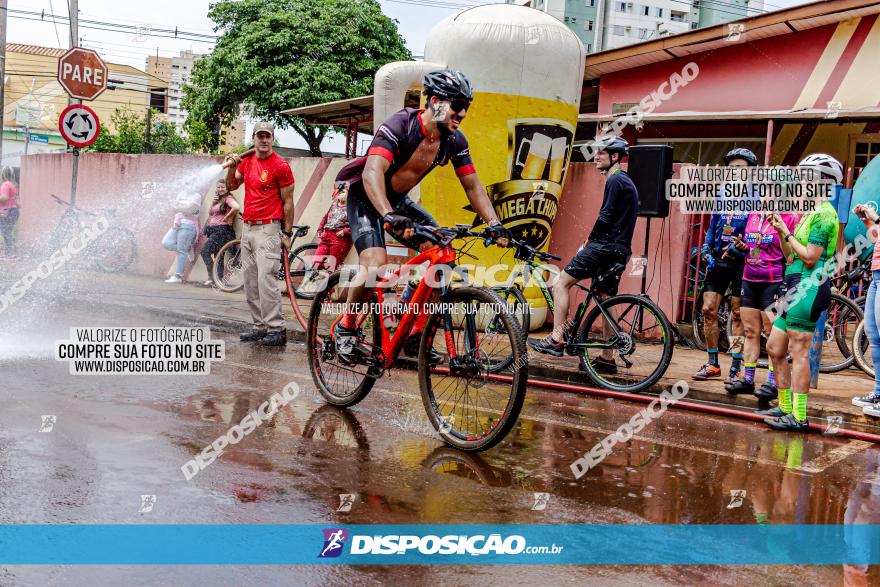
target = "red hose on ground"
x: 683, y: 405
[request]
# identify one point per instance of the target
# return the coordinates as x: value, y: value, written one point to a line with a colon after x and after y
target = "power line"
x: 57, y: 36
x: 176, y: 33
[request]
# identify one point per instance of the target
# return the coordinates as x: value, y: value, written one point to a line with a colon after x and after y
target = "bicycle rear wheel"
x: 471, y: 411
x: 341, y: 383
x: 862, y: 350
x: 840, y: 325
x: 516, y: 302
x: 115, y: 250
x: 724, y: 328
x: 640, y: 343
x: 228, y: 270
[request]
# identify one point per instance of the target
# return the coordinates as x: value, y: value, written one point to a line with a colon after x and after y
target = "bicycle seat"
x: 300, y: 230
x: 612, y: 272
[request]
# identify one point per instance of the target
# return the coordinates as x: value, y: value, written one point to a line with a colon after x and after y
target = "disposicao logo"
x: 334, y: 541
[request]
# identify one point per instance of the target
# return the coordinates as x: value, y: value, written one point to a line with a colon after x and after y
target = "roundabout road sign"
x: 79, y: 125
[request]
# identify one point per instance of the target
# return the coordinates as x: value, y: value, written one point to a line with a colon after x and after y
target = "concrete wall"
x: 140, y: 187
x: 578, y: 210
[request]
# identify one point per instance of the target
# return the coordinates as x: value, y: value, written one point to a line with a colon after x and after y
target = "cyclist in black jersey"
x: 406, y: 147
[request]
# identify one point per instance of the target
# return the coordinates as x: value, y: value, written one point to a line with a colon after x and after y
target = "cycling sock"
x: 713, y: 357
x: 778, y: 449
x: 785, y: 400
x: 749, y: 376
x: 795, y: 453
x: 771, y: 379
x: 737, y: 361
x: 761, y: 517
x: 800, y: 407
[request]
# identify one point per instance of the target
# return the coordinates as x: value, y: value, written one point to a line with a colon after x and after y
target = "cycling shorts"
x: 723, y: 275
x: 367, y: 230
x: 760, y: 295
x: 805, y: 305
x: 593, y: 260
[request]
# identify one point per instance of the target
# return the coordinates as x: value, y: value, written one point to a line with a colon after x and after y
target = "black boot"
x: 251, y: 335
x: 278, y: 338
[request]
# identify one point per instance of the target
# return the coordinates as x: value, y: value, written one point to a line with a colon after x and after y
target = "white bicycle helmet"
x: 825, y: 164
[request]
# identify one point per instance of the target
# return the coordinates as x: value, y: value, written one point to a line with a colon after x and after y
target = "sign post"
x: 83, y: 75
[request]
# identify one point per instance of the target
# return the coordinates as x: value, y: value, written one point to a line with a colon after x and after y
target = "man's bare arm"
x: 374, y: 183
x: 287, y: 203
x: 233, y: 177
x: 479, y: 199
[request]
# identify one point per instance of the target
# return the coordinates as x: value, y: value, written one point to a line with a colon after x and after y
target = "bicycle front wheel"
x: 519, y: 307
x: 840, y: 325
x: 228, y: 270
x: 631, y: 351
x: 470, y: 410
x: 305, y: 279
x: 862, y: 350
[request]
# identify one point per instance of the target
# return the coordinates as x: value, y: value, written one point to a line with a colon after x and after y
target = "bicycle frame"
x: 570, y: 332
x: 392, y: 344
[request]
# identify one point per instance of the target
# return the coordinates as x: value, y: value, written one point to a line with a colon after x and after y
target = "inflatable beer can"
x: 526, y: 69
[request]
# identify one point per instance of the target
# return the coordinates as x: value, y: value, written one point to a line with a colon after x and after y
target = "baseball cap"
x: 264, y: 126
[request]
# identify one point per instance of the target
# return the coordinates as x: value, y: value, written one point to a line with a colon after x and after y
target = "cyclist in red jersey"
x: 404, y: 150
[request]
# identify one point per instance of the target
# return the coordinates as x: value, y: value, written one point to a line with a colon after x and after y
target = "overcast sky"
x: 191, y: 16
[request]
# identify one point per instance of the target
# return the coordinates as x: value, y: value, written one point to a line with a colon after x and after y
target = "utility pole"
x: 147, y: 147
x: 3, y: 10
x: 74, y: 36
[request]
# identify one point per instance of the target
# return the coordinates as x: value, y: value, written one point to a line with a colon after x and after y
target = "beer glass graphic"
x: 536, y: 156
x: 558, y: 154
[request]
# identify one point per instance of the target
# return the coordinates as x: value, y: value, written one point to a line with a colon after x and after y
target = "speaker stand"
x: 645, y: 270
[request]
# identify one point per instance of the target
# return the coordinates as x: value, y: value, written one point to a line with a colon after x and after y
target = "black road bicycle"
x: 629, y: 328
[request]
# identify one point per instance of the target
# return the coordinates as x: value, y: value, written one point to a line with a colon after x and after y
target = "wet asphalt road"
x: 119, y: 437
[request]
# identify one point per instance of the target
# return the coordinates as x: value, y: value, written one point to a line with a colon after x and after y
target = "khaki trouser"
x: 261, y: 256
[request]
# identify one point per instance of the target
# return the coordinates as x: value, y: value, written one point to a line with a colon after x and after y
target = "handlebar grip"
x: 554, y: 257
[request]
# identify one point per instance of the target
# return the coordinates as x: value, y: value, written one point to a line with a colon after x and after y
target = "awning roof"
x: 344, y: 112
x: 692, y: 116
x: 771, y: 24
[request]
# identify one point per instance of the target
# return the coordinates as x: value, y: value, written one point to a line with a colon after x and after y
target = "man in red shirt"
x: 268, y: 218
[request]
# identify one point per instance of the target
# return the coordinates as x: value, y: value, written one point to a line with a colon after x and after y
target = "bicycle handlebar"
x: 442, y: 235
x: 525, y: 252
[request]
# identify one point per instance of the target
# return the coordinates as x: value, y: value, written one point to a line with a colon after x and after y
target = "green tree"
x: 273, y: 55
x: 130, y: 134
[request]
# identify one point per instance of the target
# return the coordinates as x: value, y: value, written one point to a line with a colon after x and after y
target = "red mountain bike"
x: 470, y: 409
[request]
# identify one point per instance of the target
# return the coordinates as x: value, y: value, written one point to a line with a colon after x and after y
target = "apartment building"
x: 177, y: 71
x: 609, y: 24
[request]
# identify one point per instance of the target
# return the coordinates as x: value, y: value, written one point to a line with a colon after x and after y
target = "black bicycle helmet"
x: 612, y: 144
x: 741, y: 153
x: 448, y: 84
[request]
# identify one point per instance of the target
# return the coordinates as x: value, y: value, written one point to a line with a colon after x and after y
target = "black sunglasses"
x: 459, y: 105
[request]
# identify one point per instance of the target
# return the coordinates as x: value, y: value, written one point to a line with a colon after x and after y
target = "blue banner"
x: 264, y: 544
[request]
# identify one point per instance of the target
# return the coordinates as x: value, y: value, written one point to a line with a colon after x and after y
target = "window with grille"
x: 864, y: 149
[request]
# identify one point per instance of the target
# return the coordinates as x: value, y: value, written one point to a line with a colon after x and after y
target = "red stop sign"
x: 82, y: 73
